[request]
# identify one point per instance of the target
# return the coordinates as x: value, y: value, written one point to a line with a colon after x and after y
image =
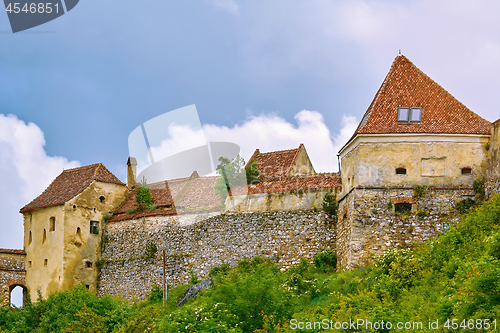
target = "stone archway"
x: 23, y: 287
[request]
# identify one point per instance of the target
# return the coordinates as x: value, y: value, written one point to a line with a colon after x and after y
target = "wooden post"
x: 164, y: 277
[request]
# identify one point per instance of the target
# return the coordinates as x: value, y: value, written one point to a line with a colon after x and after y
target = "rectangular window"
x: 407, y: 114
x: 94, y: 227
x: 416, y: 115
x: 45, y: 262
x: 403, y: 114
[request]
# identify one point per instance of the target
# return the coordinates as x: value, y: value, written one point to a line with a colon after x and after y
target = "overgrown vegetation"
x: 233, y: 173
x: 456, y: 276
x: 419, y: 191
x: 143, y: 197
x: 330, y: 205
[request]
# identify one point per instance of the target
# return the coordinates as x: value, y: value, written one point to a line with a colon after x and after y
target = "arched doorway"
x: 17, y: 295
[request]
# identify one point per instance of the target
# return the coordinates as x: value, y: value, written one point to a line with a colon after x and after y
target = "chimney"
x: 131, y: 172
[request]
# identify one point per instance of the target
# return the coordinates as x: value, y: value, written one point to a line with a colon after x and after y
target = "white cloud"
x: 227, y: 5
x: 25, y: 171
x: 271, y: 132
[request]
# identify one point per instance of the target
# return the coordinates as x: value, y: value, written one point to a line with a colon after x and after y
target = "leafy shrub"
x: 156, y: 294
x: 478, y: 185
x: 419, y: 191
x: 463, y: 206
x: 252, y: 173
x: 144, y: 199
x: 151, y: 250
x: 325, y: 260
x: 330, y: 205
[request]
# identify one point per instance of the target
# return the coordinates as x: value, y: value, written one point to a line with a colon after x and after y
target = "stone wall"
x: 493, y: 168
x: 368, y: 224
x: 12, y: 272
x: 284, y: 237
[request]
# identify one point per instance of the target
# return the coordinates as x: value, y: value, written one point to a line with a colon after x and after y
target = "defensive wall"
x: 368, y: 223
x: 12, y: 273
x: 194, y: 248
x: 493, y: 167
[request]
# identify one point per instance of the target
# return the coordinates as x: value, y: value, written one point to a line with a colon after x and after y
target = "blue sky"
x: 264, y: 74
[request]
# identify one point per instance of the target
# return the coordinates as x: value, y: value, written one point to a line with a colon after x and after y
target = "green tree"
x: 144, y: 199
x: 330, y: 205
x: 252, y: 172
x: 231, y: 175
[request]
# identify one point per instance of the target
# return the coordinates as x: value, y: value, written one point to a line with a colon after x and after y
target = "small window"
x: 45, y: 262
x: 74, y: 206
x: 87, y: 286
x: 52, y: 224
x: 30, y: 239
x: 94, y: 227
x: 102, y: 198
x: 402, y: 207
x: 401, y: 171
x: 407, y: 114
x: 29, y: 264
x: 466, y: 171
x: 89, y: 264
x: 44, y: 236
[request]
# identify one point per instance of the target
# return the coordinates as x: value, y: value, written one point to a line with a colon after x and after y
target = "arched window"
x: 17, y: 295
x: 52, y: 224
x: 466, y: 171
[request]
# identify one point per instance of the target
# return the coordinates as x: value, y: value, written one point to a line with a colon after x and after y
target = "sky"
x: 262, y: 74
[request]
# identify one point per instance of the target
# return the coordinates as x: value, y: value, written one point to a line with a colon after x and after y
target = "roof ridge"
x: 81, y: 167
x: 279, y: 151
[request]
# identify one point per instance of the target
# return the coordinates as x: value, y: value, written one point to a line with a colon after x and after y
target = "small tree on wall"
x: 330, y: 205
x: 231, y: 174
x: 144, y: 199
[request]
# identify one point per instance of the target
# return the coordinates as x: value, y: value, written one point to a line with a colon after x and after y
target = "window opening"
x: 16, y: 296
x: 89, y: 264
x: 102, y: 198
x: 87, y: 286
x: 401, y: 171
x: 94, y: 227
x: 52, y: 224
x: 402, y: 207
x: 29, y: 264
x: 45, y: 262
x: 74, y: 206
x: 30, y: 239
x: 410, y: 114
x: 44, y: 236
x: 466, y: 171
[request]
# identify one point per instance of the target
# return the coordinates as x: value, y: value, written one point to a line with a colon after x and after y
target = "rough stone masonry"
x: 284, y: 237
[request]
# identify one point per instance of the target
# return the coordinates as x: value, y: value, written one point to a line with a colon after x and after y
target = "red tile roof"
x: 291, y: 184
x: 201, y: 194
x: 274, y: 165
x: 69, y: 184
x: 406, y: 85
x: 12, y: 251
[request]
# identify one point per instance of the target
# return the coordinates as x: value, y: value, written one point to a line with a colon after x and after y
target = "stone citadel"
x: 415, y: 154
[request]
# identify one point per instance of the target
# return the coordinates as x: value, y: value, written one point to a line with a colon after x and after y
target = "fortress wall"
x: 367, y: 226
x: 493, y: 168
x: 284, y: 237
x: 12, y: 272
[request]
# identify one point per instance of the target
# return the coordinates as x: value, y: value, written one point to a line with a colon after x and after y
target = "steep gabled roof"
x: 406, y: 85
x: 69, y: 184
x: 274, y: 165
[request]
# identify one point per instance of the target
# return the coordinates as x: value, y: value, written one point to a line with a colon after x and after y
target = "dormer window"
x: 409, y: 114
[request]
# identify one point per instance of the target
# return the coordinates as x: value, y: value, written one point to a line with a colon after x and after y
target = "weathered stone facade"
x: 282, y: 236
x: 12, y: 273
x: 368, y: 223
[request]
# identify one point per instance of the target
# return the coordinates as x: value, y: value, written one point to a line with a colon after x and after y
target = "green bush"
x: 325, y: 260
x: 143, y: 197
x: 478, y: 185
x: 419, y: 191
x: 151, y: 250
x: 330, y: 205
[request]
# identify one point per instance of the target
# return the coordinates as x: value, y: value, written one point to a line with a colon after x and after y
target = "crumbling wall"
x: 368, y: 224
x: 285, y: 237
x: 12, y: 272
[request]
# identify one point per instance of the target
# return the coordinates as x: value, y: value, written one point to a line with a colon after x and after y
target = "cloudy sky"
x: 263, y: 74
